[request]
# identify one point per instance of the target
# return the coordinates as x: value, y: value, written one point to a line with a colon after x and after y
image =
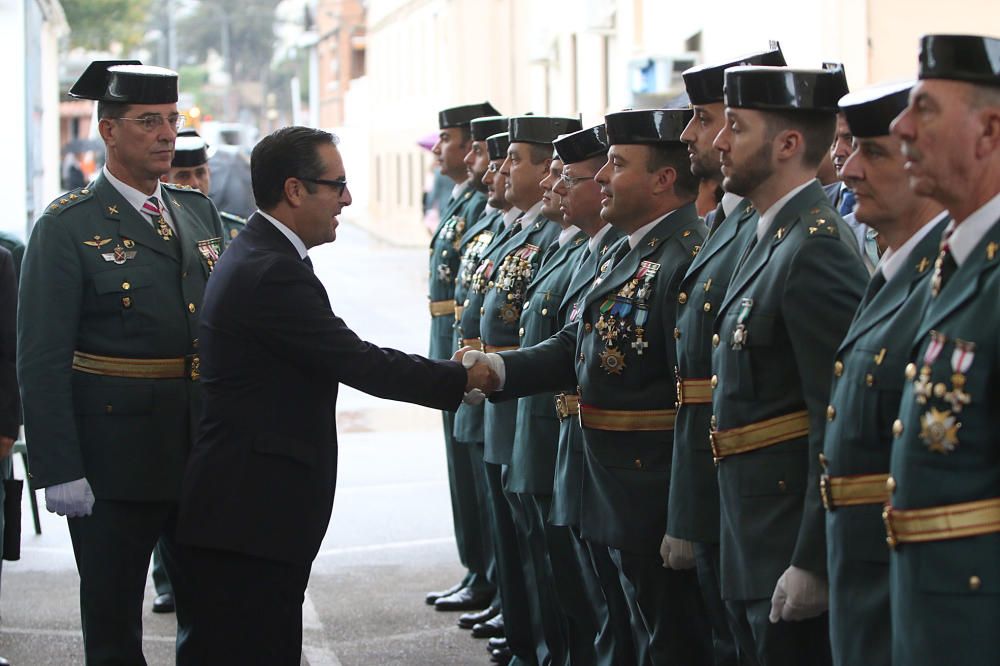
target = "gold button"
x: 580, y: 358
x: 822, y: 460
x: 587, y: 327
x: 444, y: 253
x: 782, y: 486
x: 638, y: 463
x: 870, y: 379
x: 707, y: 307
x: 545, y: 311
x: 466, y: 304
x: 194, y: 343
x: 482, y: 311
x: 890, y: 484
x: 682, y: 298
x: 911, y: 371
x: 975, y: 582
x: 897, y: 428
x: 677, y: 333
x: 715, y: 340
x: 838, y: 369
x: 831, y: 413
x: 527, y: 304
x: 126, y: 286
x: 715, y: 380
x: 521, y: 332
x: 939, y: 390
x: 184, y: 275
x: 490, y: 284
x: 191, y: 308
x: 126, y: 302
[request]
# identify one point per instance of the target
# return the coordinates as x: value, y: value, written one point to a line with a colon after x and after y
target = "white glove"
x: 799, y: 595
x: 73, y: 499
x: 677, y: 554
x: 474, y: 397
x: 495, y: 362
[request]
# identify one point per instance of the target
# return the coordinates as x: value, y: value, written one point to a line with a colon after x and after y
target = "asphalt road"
x: 390, y: 539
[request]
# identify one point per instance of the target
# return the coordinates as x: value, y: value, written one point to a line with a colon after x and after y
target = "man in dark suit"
x: 10, y: 403
x: 258, y: 490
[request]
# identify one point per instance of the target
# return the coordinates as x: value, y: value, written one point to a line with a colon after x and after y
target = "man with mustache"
x: 944, y: 491
x: 788, y: 305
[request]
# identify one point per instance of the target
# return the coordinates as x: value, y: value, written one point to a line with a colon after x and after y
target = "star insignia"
x: 112, y: 210
x: 653, y: 241
x: 73, y: 197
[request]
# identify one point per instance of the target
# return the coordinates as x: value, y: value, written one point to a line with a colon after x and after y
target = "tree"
x: 97, y: 24
x: 250, y: 25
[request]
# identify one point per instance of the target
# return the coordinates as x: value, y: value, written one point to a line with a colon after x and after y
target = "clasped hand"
x: 482, y: 373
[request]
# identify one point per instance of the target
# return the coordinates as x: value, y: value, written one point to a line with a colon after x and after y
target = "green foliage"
x: 96, y: 24
x: 251, y: 35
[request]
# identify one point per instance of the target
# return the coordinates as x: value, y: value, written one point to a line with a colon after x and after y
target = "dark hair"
x: 676, y: 157
x: 111, y: 110
x: 290, y: 152
x: 818, y: 129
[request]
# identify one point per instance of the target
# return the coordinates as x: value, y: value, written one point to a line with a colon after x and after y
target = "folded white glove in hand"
x: 495, y: 362
x: 72, y: 499
x: 799, y: 595
x: 474, y: 397
x: 677, y: 554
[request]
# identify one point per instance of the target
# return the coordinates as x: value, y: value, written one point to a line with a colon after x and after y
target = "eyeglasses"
x: 570, y: 182
x: 340, y: 184
x: 154, y: 122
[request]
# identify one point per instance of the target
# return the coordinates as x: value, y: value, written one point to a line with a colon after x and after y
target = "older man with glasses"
x: 111, y: 287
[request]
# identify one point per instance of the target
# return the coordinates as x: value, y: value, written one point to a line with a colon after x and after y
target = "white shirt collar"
x: 134, y: 197
x: 489, y: 210
x: 598, y: 237
x: 972, y: 229
x: 567, y: 233
x: 292, y: 237
x: 636, y: 236
x: 530, y: 214
x: 458, y: 188
x: 893, y: 260
x: 729, y: 202
x: 510, y: 216
x: 767, y: 217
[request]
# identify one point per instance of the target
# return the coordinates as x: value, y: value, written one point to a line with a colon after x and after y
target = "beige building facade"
x: 587, y: 57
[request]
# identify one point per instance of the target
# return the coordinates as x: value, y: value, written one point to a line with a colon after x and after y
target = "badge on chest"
x: 623, y: 316
x: 939, y: 427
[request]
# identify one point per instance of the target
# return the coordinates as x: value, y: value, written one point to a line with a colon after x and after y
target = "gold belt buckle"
x: 562, y: 410
x: 825, y: 492
x: 680, y: 392
x: 716, y: 456
x: 890, y: 533
x: 192, y: 368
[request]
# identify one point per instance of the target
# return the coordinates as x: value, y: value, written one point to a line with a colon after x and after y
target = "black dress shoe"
x: 164, y: 603
x: 434, y: 596
x: 498, y: 643
x: 469, y: 620
x: 502, y: 656
x: 492, y: 628
x: 465, y: 599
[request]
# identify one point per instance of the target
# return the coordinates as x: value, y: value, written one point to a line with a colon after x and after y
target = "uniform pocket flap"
x: 286, y: 447
x: 114, y: 400
x: 122, y: 279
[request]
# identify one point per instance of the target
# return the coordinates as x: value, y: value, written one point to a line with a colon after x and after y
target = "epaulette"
x: 820, y: 221
x: 229, y: 217
x: 68, y: 200
x: 174, y: 187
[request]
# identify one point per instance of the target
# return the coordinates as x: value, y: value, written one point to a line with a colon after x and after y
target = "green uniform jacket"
x: 83, y: 289
x: 536, y: 436
x: 232, y: 225
x: 500, y: 318
x: 694, y: 485
x: 946, y: 594
x: 867, y: 383
x: 478, y: 256
x: 805, y: 284
x: 626, y: 483
x: 444, y: 260
x: 16, y: 247
x: 568, y: 476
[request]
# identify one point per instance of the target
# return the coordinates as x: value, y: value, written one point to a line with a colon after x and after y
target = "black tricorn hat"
x: 126, y: 82
x: 582, y: 145
x: 497, y: 145
x: 647, y: 125
x: 784, y: 89
x: 541, y: 129
x: 190, y: 149
x: 705, y: 83
x: 969, y: 58
x: 870, y: 111
x: 488, y: 126
x: 461, y: 116
x: 837, y: 69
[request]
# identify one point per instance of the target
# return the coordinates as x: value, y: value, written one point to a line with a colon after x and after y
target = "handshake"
x: 485, y: 373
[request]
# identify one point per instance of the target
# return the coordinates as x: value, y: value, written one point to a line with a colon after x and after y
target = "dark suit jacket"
x: 10, y: 403
x: 261, y: 476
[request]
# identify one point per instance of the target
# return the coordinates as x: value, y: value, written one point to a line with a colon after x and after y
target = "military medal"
x: 119, y: 255
x: 740, y: 333
x: 444, y: 272
x: 509, y: 314
x: 163, y: 229
x: 210, y: 250
x: 922, y: 388
x: 513, y: 278
x: 639, y: 343
x: 939, y: 431
x: 961, y: 360
x: 97, y: 242
x: 612, y: 361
